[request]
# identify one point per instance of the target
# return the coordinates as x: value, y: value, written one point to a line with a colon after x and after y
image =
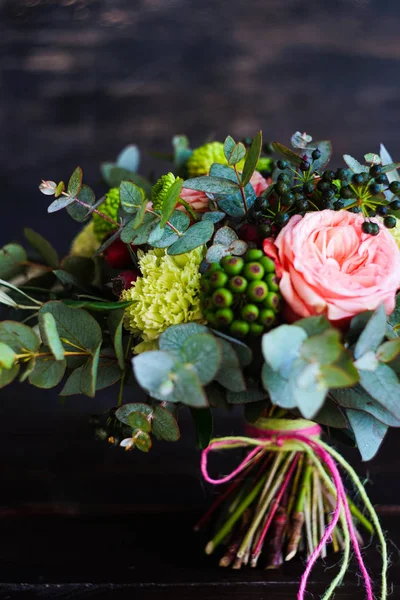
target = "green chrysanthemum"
x: 203, y: 157
x: 160, y: 189
x: 265, y: 164
x: 110, y: 208
x: 86, y: 242
x: 168, y: 293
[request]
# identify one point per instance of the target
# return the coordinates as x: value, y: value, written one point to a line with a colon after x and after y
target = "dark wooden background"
x: 79, y: 79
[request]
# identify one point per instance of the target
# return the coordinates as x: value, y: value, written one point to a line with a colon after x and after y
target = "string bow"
x: 300, y: 435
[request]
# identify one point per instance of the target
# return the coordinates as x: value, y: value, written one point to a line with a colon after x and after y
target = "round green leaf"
x: 125, y: 410
x: 7, y: 356
x: 142, y: 441
x: 19, y: 337
x: 11, y: 258
x: 204, y: 354
x: 74, y: 325
x: 47, y: 372
x: 138, y: 420
x: 8, y: 375
x: 174, y: 337
x: 43, y: 247
x: 152, y: 369
x: 197, y: 235
x: 49, y: 334
x: 165, y: 426
x: 79, y: 212
x: 187, y: 388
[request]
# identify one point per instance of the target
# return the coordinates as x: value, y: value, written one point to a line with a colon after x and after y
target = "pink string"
x: 303, y: 436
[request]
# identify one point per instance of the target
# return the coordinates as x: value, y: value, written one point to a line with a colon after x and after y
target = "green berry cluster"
x: 241, y: 295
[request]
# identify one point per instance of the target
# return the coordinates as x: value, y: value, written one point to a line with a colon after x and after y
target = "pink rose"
x: 259, y: 183
x: 330, y: 267
x: 199, y: 201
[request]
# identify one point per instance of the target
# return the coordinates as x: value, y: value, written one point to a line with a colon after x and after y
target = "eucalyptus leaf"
x: 139, y: 236
x: 203, y: 353
x: 81, y: 212
x: 330, y: 415
x: 187, y: 388
x: 182, y: 152
x: 170, y: 201
x: 358, y: 399
x: 43, y: 247
x: 108, y: 373
x: 373, y: 333
x: 252, y: 393
x: 234, y: 154
x: 152, y: 369
x: 325, y: 148
x: 368, y: 431
x: 165, y: 426
x: 50, y: 336
x: 278, y: 388
x: 383, y: 385
x: 252, y: 158
x: 324, y: 348
x: 287, y: 153
x: 125, y: 410
x: 215, y: 216
x: 115, y: 323
x: 282, y: 346
x: 138, y: 420
x: 76, y: 327
x: 388, y: 351
x: 7, y: 356
x: 225, y: 236
x: 60, y: 204
x: 7, y: 376
x: 173, y: 338
x: 131, y: 196
x: 19, y: 337
x: 244, y: 353
x: 75, y: 182
x: 354, y: 165
x: 11, y: 258
x: 216, y: 252
x: 164, y: 237
x: 197, y: 235
x: 72, y: 386
x: 314, y: 325
x: 230, y: 373
x: 129, y: 158
x: 139, y: 217
x: 47, y: 372
x: 89, y: 374
x: 114, y: 175
x: 212, y: 185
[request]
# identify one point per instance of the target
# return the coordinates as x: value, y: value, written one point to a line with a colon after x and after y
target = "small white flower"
x: 127, y: 443
x: 48, y: 188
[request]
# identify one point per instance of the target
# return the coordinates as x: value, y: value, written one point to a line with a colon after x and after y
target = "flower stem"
x: 246, y: 208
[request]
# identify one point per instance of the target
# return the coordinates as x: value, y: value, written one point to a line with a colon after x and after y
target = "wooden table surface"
x: 79, y: 79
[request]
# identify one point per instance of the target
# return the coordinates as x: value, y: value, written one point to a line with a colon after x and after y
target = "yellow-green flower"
x: 166, y: 294
x: 160, y: 189
x: 265, y: 164
x: 86, y: 242
x: 110, y: 208
x: 202, y: 158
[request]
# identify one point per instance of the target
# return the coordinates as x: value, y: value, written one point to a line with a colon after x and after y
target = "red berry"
x: 117, y: 255
x: 249, y: 233
x: 123, y: 281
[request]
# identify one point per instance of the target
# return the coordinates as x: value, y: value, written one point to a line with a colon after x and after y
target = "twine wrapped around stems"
x: 285, y: 435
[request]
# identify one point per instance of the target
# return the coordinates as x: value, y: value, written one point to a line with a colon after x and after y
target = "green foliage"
x: 75, y: 182
x: 115, y: 322
x: 212, y: 185
x: 373, y: 333
x: 197, y: 235
x: 7, y: 376
x: 43, y: 247
x: 226, y: 242
x: 50, y: 336
x: 230, y: 374
x: 131, y: 196
x: 252, y: 158
x: 170, y: 201
x: 47, y: 372
x: 19, y: 337
x: 162, y: 237
x: 231, y: 201
x: 182, y: 151
x: 287, y: 153
x: 81, y: 212
x: 76, y: 327
x: 7, y: 356
x: 354, y: 165
x: 139, y: 236
x: 234, y: 152
x: 369, y: 432
x: 11, y: 258
x: 129, y: 158
x: 165, y: 426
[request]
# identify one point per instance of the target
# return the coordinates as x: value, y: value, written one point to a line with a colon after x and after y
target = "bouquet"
x: 249, y: 274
